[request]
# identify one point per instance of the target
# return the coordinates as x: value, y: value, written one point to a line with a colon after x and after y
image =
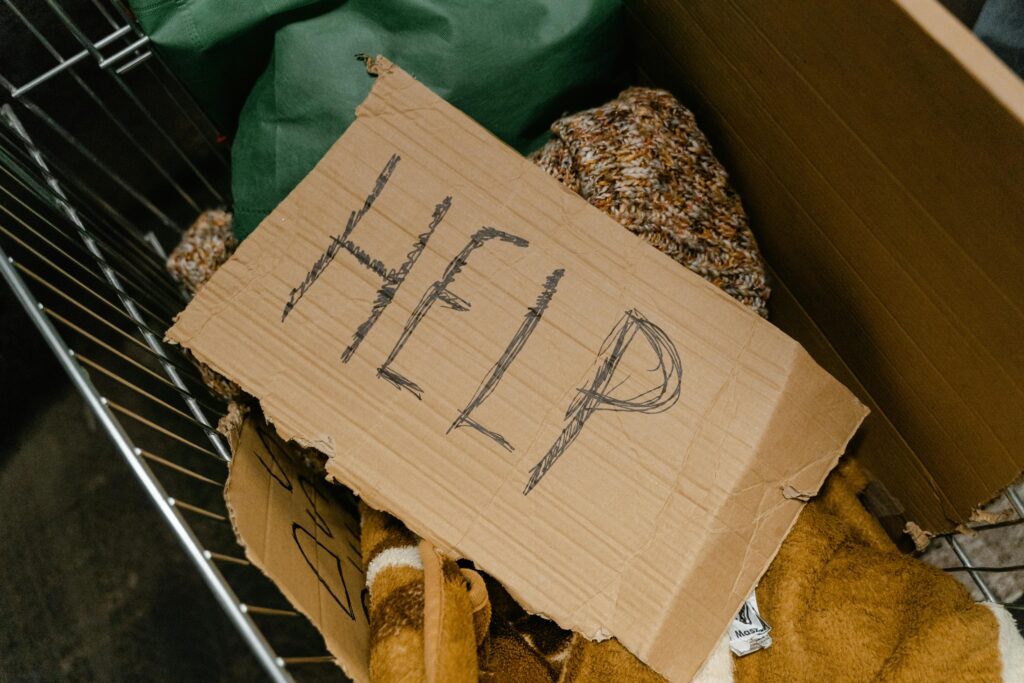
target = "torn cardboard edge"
x: 262, y: 466
x: 299, y: 538
x: 655, y: 512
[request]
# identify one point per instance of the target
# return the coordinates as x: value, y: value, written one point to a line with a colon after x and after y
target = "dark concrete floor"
x: 95, y: 588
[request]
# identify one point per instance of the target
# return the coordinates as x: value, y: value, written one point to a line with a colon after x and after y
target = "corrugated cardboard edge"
x: 974, y: 56
x: 232, y: 431
x: 807, y: 482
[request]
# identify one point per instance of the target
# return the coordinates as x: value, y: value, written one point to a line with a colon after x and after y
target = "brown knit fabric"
x: 642, y: 160
x: 204, y: 246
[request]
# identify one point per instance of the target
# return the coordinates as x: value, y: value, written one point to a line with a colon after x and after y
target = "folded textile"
x: 846, y: 605
x: 642, y: 160
x: 204, y: 246
x: 512, y: 66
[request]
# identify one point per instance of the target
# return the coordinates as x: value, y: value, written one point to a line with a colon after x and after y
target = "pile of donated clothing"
x: 281, y: 78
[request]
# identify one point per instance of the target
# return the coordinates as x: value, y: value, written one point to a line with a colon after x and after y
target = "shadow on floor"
x: 95, y: 587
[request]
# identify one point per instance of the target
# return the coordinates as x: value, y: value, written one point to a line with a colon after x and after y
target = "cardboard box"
x: 522, y: 381
x: 879, y: 150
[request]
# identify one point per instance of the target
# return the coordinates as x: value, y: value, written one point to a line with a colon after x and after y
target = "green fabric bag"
x: 514, y: 66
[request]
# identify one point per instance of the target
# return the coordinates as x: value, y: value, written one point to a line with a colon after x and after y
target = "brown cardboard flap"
x: 522, y: 381
x: 879, y: 148
x: 303, y: 539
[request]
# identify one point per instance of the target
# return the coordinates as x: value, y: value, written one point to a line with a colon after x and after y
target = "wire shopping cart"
x: 103, y: 159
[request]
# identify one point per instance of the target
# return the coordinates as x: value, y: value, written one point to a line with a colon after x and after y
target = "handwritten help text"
x: 597, y: 396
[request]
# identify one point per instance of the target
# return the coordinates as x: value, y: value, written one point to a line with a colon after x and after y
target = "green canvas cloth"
x: 283, y: 75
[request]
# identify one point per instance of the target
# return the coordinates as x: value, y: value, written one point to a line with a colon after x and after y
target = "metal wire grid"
x: 102, y: 159
x: 85, y: 214
x: 1010, y: 507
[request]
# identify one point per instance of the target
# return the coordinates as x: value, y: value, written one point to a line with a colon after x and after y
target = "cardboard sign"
x: 522, y: 381
x: 303, y: 539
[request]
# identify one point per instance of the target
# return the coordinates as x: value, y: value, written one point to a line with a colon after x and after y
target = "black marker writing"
x: 297, y: 531
x: 439, y: 290
x: 342, y: 241
x: 519, y: 340
x: 309, y: 490
x: 597, y: 396
x: 394, y: 280
x: 277, y: 472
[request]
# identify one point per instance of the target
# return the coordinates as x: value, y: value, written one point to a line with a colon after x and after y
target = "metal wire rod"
x: 70, y: 299
x: 269, y: 611
x: 207, y: 569
x: 61, y: 204
x: 92, y: 158
x: 152, y: 457
x: 174, y: 98
x: 218, y: 152
x: 142, y: 392
x: 125, y: 335
x: 96, y: 340
x: 24, y: 245
x: 137, y: 242
x: 118, y: 56
x: 90, y: 93
x: 958, y: 550
x: 64, y: 64
x: 975, y: 568
x: 220, y: 557
x: 41, y: 280
x: 320, y: 659
x: 163, y: 430
x: 171, y: 298
x: 1015, y: 501
x: 174, y: 502
x: 151, y: 373
x: 149, y: 257
x: 87, y: 44
x: 983, y: 527
x: 125, y: 68
x: 170, y: 367
x: 99, y: 366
